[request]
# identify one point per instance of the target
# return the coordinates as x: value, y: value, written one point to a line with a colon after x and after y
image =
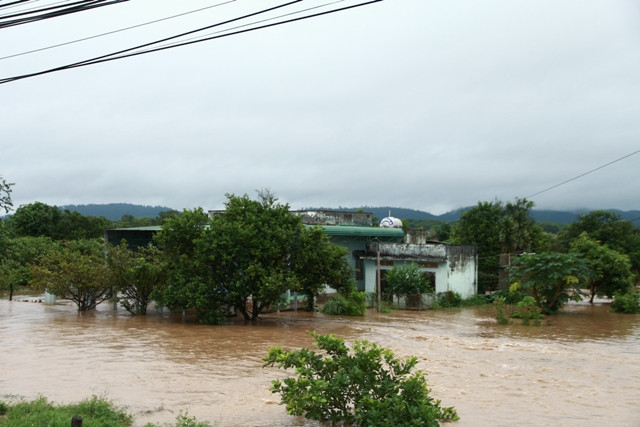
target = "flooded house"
x: 371, y: 249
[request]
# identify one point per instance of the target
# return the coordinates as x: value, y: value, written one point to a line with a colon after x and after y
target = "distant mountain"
x: 115, y: 211
x: 553, y: 216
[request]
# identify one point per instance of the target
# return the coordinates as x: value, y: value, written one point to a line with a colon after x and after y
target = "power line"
x: 584, y: 174
x: 53, y: 12
x: 130, y: 51
x: 115, y: 31
x: 256, y: 22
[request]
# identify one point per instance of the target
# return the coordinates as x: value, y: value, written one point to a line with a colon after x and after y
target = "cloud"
x: 425, y: 105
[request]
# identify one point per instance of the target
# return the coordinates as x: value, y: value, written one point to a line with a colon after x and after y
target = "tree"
x: 496, y: 229
x: 190, y: 284
x: 5, y: 195
x: 36, y: 219
x: 480, y: 226
x: 407, y: 279
x: 610, y: 270
x: 76, y: 271
x: 317, y: 263
x: 136, y: 274
x: 249, y: 249
x: 553, y: 278
x: 367, y: 386
x: 17, y: 256
x: 609, y: 229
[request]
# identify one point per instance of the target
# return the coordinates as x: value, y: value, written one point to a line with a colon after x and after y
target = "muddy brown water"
x: 583, y: 370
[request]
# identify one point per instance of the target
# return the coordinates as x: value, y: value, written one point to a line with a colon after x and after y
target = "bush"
x: 353, y: 305
x: 447, y: 299
x: 366, y: 386
x: 474, y: 301
x: 40, y: 412
x: 510, y: 297
x: 528, y: 310
x: 628, y: 302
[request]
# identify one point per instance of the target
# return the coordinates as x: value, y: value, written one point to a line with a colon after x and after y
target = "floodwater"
x: 582, y: 370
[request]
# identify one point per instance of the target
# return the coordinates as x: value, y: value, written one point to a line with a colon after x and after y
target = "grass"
x: 95, y: 412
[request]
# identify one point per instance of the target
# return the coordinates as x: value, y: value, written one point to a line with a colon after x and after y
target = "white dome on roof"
x: 390, y: 222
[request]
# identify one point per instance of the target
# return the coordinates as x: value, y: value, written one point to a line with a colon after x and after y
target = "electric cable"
x: 255, y: 22
x: 581, y: 175
x: 115, y: 31
x: 55, y: 11
x: 129, y: 52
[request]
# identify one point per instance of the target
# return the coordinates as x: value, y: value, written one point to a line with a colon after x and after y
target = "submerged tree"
x: 317, y: 263
x: 244, y: 258
x: 610, y: 270
x: 136, y: 274
x: 76, y: 271
x: 553, y: 278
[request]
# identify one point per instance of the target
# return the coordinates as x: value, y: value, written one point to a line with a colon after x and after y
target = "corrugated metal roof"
x: 331, y: 230
x: 346, y: 230
x: 146, y: 228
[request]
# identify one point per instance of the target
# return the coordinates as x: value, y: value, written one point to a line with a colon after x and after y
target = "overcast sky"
x: 430, y: 105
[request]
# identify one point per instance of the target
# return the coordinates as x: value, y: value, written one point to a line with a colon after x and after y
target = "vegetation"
x: 610, y: 230
x: 627, y: 302
x: 552, y: 278
x: 408, y: 280
x: 5, y: 195
x: 448, y: 299
x: 528, y: 310
x: 353, y: 304
x: 364, y: 386
x: 496, y: 229
x: 136, y: 275
x: 75, y: 271
x: 610, y: 270
x: 245, y: 259
x: 95, y: 411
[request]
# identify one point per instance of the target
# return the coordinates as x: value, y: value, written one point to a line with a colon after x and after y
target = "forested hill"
x: 115, y: 211
x: 552, y: 216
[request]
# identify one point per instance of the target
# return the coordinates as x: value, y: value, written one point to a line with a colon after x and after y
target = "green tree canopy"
x: 136, y: 275
x: 75, y: 271
x: 495, y: 229
x: 41, y: 220
x: 407, y: 279
x: 553, y: 278
x: 609, y: 229
x: 5, y: 195
x: 610, y: 270
x: 245, y: 258
x: 316, y: 263
x: 365, y: 386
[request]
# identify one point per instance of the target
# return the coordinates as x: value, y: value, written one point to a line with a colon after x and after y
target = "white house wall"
x: 457, y: 273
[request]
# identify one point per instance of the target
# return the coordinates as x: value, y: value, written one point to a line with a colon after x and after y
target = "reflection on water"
x: 581, y: 370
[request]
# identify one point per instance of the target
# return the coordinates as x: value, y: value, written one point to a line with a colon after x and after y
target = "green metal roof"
x: 330, y: 230
x: 146, y: 228
x: 356, y: 231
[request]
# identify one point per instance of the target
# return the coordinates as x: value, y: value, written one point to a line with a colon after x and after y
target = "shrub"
x: 474, y: 301
x: 628, y: 302
x: 501, y: 311
x: 510, y: 297
x: 367, y: 386
x: 40, y: 412
x: 528, y: 310
x: 353, y: 305
x: 447, y: 299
